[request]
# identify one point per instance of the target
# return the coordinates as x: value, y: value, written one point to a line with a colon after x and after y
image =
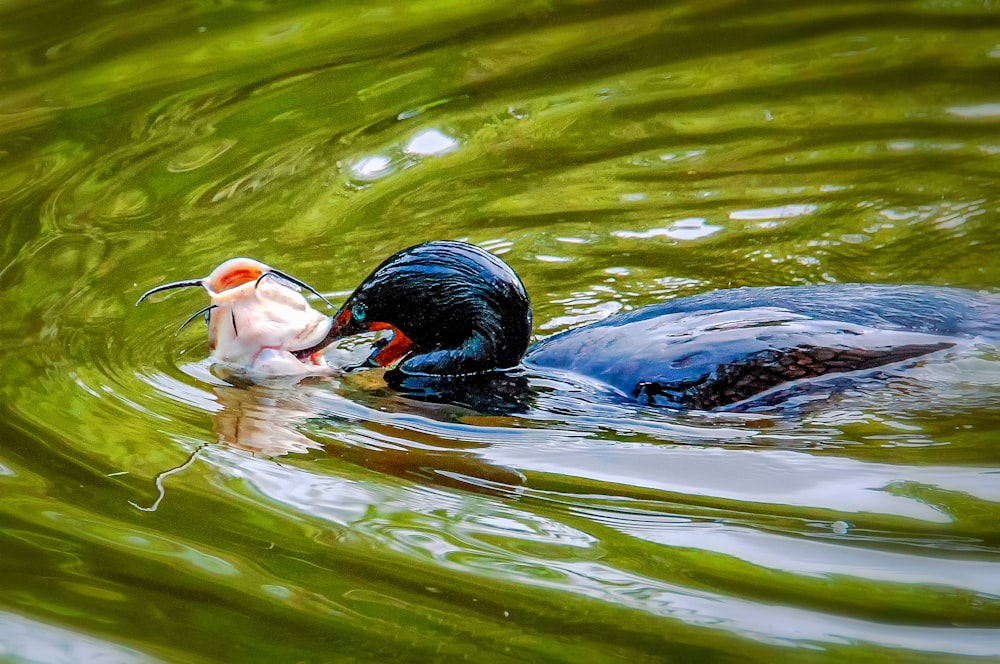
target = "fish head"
x: 258, y: 318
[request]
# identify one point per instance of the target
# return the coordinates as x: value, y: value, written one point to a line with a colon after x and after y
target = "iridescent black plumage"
x: 716, y: 348
x: 464, y: 309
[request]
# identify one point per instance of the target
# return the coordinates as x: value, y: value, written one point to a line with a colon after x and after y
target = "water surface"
x: 616, y: 155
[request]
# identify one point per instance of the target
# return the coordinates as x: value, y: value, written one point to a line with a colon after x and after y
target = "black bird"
x: 454, y: 310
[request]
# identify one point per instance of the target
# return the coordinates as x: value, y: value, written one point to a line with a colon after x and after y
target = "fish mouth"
x: 278, y: 360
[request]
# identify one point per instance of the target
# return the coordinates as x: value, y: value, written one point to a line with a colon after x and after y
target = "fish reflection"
x: 261, y: 420
x: 279, y: 421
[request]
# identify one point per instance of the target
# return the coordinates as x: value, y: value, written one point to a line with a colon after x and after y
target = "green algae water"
x: 616, y: 154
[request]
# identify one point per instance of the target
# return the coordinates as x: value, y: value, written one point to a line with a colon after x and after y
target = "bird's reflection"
x: 492, y: 393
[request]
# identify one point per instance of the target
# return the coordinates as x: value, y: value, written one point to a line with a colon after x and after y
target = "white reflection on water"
x: 682, y: 229
x: 978, y: 111
x: 371, y: 167
x: 431, y: 142
x: 781, y: 212
x: 820, y: 559
x: 763, y: 476
x: 24, y: 640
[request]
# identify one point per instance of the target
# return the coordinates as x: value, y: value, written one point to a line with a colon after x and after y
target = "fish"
x: 259, y: 321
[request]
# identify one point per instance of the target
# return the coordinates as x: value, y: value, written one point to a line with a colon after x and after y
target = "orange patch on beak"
x: 398, y: 346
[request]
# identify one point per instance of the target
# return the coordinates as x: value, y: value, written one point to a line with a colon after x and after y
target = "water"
x: 615, y: 155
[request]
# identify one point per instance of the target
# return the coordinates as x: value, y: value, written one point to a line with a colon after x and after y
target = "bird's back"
x: 715, y: 348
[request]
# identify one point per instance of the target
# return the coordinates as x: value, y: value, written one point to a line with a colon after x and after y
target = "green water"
x: 615, y: 154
